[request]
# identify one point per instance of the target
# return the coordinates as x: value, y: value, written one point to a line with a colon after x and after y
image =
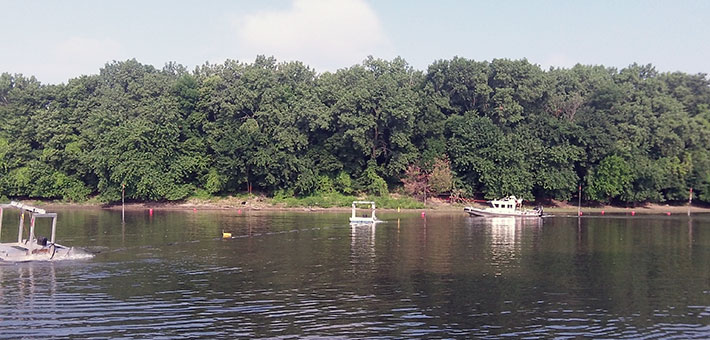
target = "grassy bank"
x: 256, y: 202
x: 345, y: 201
x: 340, y: 201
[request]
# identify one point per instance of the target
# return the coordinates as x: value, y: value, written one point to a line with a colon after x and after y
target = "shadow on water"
x: 287, y: 274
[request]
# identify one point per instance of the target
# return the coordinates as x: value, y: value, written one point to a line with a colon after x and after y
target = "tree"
x: 441, y: 179
x: 506, y: 126
x: 416, y: 182
x: 373, y: 113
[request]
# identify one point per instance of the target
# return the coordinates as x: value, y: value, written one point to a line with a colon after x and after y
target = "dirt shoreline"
x: 260, y: 205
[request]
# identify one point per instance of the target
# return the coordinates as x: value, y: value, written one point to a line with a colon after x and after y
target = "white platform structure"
x: 354, y: 219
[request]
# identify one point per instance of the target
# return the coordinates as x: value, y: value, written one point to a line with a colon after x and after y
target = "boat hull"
x: 19, y: 252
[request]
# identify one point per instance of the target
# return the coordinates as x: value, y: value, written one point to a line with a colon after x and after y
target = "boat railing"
x: 25, y: 207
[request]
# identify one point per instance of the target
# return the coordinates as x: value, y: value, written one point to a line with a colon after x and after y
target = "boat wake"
x: 74, y: 254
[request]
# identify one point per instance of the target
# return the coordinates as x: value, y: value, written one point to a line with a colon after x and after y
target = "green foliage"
x: 343, y: 183
x: 372, y: 183
x: 506, y: 127
x: 390, y: 202
x: 325, y: 185
x: 609, y: 180
x: 214, y: 182
x: 345, y: 201
x: 68, y: 188
x: 201, y: 194
x: 17, y: 182
x: 282, y: 195
x: 699, y: 178
x: 441, y: 179
x: 4, y: 148
x: 328, y: 200
x: 41, y: 181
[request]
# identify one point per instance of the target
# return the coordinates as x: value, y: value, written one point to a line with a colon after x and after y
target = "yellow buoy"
x: 226, y: 235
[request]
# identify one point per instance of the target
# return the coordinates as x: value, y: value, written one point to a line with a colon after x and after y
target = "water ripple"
x: 290, y: 277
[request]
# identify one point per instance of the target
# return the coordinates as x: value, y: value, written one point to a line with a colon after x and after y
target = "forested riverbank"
x: 484, y: 129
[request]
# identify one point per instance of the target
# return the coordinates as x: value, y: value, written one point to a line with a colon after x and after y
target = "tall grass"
x: 345, y: 201
x: 389, y: 202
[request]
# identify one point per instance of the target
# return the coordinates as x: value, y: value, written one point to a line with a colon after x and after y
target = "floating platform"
x: 354, y: 219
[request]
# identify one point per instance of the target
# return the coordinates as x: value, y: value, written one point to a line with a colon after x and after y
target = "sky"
x: 59, y: 40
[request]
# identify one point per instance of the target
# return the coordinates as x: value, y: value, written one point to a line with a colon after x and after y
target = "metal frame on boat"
x: 508, y: 206
x: 32, y: 248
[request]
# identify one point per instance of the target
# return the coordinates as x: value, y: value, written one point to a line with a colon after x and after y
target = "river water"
x: 299, y: 275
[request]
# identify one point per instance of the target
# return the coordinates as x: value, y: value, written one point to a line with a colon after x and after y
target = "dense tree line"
x: 504, y: 127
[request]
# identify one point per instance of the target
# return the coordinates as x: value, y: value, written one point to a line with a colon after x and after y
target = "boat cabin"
x: 504, y: 204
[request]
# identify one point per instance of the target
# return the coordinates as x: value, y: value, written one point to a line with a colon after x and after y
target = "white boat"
x: 33, y: 248
x: 354, y: 219
x: 508, y: 206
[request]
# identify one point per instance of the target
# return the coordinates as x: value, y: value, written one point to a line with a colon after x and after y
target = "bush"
x: 343, y: 183
x: 441, y: 179
x: 325, y: 185
x: 214, y: 182
x: 201, y: 194
x: 306, y: 183
x: 372, y: 183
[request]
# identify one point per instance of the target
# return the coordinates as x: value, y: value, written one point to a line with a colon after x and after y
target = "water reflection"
x: 28, y: 294
x: 290, y: 275
x: 21, y: 281
x: 690, y: 231
x: 506, y: 240
x: 362, y: 243
x: 503, y: 231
